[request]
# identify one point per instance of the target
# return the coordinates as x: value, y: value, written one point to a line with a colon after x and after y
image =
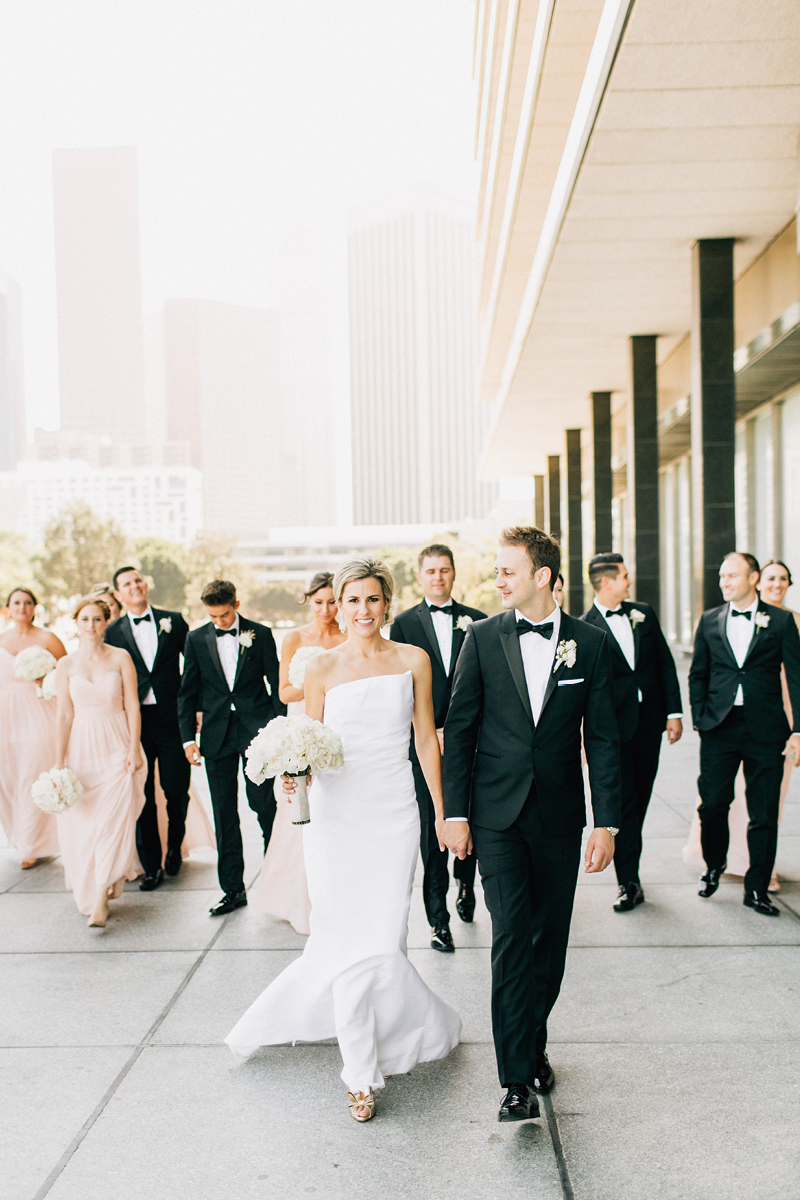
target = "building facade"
x: 12, y: 392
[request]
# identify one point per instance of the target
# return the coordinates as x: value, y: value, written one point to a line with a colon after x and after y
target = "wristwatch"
x: 612, y: 830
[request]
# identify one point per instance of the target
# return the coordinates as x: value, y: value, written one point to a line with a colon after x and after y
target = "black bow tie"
x: 138, y: 620
x: 221, y: 632
x: 545, y: 630
x: 615, y: 612
x: 747, y: 615
x: 445, y: 608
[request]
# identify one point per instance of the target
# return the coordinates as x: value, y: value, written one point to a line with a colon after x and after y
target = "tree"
x: 164, y: 564
x: 79, y: 550
x: 16, y: 569
x: 276, y: 602
x: 213, y: 556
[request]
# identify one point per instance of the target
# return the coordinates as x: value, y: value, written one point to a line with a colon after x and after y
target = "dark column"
x: 603, y: 484
x: 713, y: 416
x: 644, y: 391
x: 574, y: 525
x: 538, y: 501
x: 554, y: 494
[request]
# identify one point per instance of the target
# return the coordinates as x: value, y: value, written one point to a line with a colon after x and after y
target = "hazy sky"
x: 260, y: 124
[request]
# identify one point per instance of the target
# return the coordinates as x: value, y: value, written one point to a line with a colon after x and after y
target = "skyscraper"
x: 99, y: 291
x: 12, y: 398
x: 416, y: 423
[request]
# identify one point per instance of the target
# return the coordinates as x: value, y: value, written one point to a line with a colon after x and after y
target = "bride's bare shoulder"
x: 412, y: 657
x: 322, y: 665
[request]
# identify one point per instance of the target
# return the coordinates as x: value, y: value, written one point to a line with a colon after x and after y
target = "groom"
x: 526, y: 681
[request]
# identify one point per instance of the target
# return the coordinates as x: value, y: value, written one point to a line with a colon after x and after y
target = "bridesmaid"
x: 282, y: 890
x: 28, y: 732
x: 99, y: 728
x: 104, y: 591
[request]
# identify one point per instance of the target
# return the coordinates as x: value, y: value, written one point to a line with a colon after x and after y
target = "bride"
x: 353, y: 980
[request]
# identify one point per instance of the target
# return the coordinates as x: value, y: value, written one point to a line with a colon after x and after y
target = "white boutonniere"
x: 635, y: 616
x: 762, y: 620
x: 165, y: 625
x: 463, y: 623
x: 566, y: 653
x: 246, y: 638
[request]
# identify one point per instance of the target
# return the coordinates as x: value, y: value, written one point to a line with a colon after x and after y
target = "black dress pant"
x: 435, y: 877
x: 529, y: 876
x: 162, y: 745
x: 722, y: 750
x: 639, y: 762
x: 223, y: 781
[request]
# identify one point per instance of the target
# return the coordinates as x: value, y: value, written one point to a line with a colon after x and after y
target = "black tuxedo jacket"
x: 415, y: 627
x: 205, y: 689
x: 653, y: 674
x: 165, y: 676
x: 715, y: 674
x: 493, y: 750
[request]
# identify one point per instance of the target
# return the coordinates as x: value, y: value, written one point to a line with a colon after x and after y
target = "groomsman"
x: 155, y: 638
x: 527, y: 683
x: 737, y: 706
x: 647, y: 700
x: 438, y: 626
x: 230, y: 676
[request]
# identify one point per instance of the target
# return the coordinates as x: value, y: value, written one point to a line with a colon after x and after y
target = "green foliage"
x: 16, y: 568
x: 474, y: 573
x: 79, y: 551
x: 277, y: 602
x: 402, y: 562
x: 213, y: 556
x: 164, y: 564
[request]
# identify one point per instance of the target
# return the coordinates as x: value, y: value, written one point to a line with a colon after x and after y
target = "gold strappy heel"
x: 360, y: 1100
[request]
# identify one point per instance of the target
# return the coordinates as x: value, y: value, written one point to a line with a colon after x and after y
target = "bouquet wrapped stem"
x: 298, y: 747
x: 301, y: 814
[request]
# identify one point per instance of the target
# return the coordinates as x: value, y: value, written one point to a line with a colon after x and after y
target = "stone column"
x: 713, y: 417
x: 554, y: 494
x: 644, y: 410
x: 574, y: 525
x: 603, y: 483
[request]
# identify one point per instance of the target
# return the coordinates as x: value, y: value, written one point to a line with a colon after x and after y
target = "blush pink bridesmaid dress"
x: 27, y: 747
x: 98, y: 834
x: 282, y: 887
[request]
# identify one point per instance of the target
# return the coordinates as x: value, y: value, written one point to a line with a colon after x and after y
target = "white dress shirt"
x: 443, y: 628
x: 228, y: 650
x: 145, y: 634
x: 538, y: 655
x: 622, y: 630
x: 739, y: 632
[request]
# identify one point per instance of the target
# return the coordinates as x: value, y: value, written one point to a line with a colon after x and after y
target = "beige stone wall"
x: 674, y: 375
x: 768, y: 286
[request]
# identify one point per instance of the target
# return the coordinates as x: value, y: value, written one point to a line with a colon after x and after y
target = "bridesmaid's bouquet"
x: 300, y: 660
x: 57, y: 790
x: 34, y: 664
x: 295, y: 746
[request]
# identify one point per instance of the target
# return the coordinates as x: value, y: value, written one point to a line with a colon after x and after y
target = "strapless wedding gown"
x: 354, y: 981
x: 98, y: 834
x: 27, y: 747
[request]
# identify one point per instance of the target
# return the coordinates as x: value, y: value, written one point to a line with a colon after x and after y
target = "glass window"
x: 790, y: 440
x: 763, y: 487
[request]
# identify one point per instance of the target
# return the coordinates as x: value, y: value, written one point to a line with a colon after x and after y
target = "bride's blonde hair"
x: 356, y: 569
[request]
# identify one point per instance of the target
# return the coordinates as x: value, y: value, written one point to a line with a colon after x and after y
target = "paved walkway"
x: 676, y: 1043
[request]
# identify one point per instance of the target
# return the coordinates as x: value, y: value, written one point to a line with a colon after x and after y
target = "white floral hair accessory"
x: 463, y: 623
x: 566, y: 653
x: 636, y: 616
x: 762, y: 620
x: 246, y: 638
x: 165, y: 625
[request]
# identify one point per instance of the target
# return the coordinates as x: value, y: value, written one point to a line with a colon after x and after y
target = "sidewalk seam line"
x: 558, y: 1149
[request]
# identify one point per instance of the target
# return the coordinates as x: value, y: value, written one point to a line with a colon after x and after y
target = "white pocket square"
x: 567, y: 682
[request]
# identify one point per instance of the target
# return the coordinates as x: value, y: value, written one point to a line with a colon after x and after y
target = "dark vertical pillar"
x: 644, y: 408
x: 538, y: 501
x: 603, y: 484
x: 554, y: 494
x: 713, y: 416
x: 574, y: 525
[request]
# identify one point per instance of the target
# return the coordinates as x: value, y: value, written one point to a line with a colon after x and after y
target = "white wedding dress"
x: 354, y: 981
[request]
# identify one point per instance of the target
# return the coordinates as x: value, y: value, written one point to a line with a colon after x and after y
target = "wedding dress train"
x: 354, y: 981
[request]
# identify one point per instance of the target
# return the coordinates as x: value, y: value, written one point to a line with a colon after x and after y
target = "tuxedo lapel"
x: 564, y: 635
x: 160, y: 637
x: 211, y: 643
x: 598, y: 620
x: 458, y: 637
x: 424, y: 614
x: 510, y: 643
x: 127, y: 633
x: 243, y: 650
x: 757, y: 632
x: 722, y: 620
x: 635, y: 630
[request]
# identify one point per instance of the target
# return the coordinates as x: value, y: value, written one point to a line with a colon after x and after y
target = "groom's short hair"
x: 604, y: 566
x: 218, y: 592
x: 543, y: 549
x: 437, y: 550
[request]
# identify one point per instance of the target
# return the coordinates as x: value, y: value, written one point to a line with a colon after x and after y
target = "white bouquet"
x: 57, y: 790
x: 33, y: 664
x: 48, y: 688
x: 300, y: 660
x: 294, y: 746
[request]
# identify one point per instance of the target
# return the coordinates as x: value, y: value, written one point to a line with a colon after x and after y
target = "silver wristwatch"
x: 612, y: 830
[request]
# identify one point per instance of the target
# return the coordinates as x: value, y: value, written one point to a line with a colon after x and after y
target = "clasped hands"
x: 456, y: 836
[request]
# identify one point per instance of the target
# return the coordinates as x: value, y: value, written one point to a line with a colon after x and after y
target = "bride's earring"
x: 342, y: 624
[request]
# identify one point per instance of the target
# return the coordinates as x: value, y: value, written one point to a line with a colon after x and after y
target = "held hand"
x: 792, y: 750
x: 192, y: 753
x: 599, y: 851
x: 440, y: 738
x: 674, y: 730
x: 456, y: 836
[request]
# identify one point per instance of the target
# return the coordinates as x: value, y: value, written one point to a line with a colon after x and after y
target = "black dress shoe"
x: 710, y: 881
x: 519, y: 1104
x: 545, y: 1079
x: 151, y: 882
x: 630, y: 894
x: 761, y: 902
x: 173, y: 862
x: 441, y: 939
x: 228, y: 903
x: 465, y: 904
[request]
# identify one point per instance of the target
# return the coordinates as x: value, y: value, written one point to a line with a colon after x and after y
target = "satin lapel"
x: 599, y: 622
x: 510, y: 643
x: 211, y: 641
x: 243, y: 650
x: 722, y: 618
x: 636, y: 629
x: 564, y: 635
x: 458, y: 638
x: 757, y: 633
x: 424, y: 614
x: 157, y: 615
x: 135, y: 653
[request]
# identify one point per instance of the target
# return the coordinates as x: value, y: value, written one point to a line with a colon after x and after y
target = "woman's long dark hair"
x: 26, y: 592
x: 321, y: 580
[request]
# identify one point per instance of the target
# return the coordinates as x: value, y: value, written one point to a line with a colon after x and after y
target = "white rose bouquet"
x: 48, y: 688
x: 300, y: 660
x: 34, y: 664
x: 57, y: 790
x: 294, y: 746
